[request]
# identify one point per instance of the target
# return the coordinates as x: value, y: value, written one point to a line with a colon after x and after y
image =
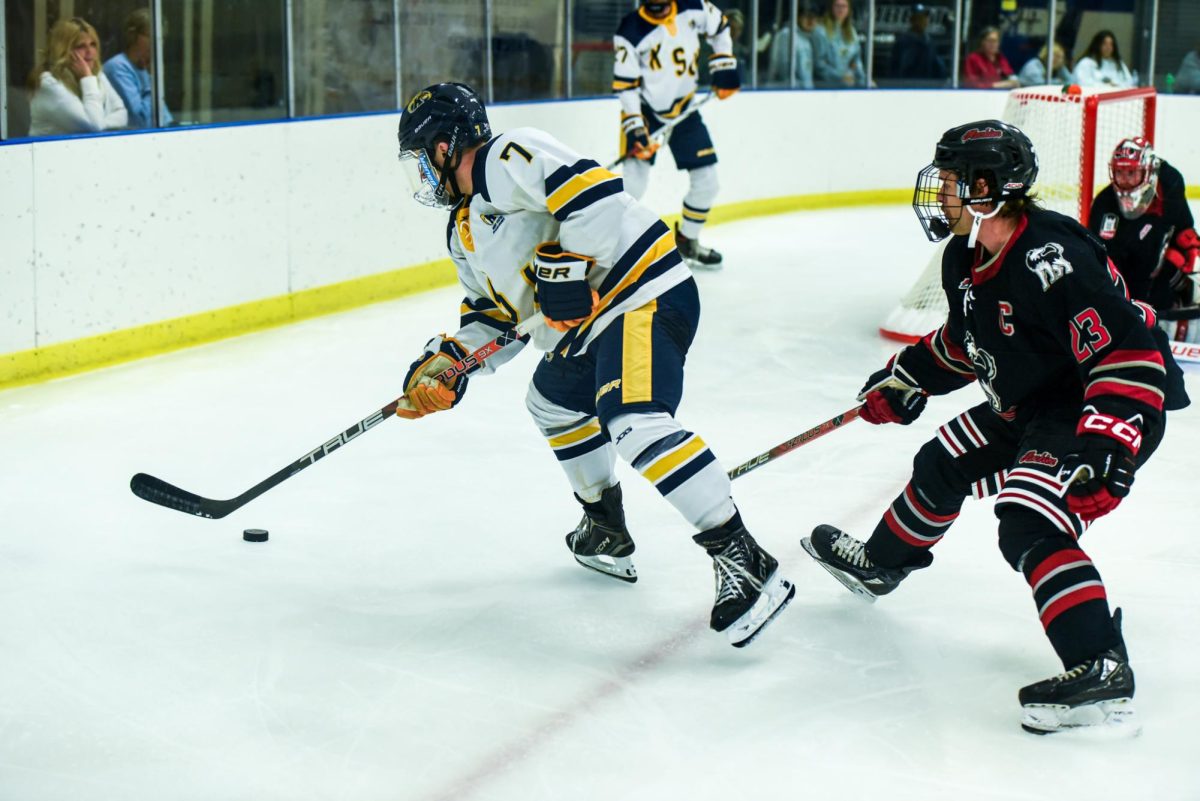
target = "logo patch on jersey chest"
x: 1108, y: 226
x: 494, y: 221
x: 1048, y: 263
x: 1145, y: 230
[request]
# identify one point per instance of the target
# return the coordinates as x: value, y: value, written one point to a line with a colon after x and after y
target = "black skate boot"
x: 1096, y: 694
x: 750, y: 591
x: 695, y: 254
x: 846, y: 560
x: 601, y: 541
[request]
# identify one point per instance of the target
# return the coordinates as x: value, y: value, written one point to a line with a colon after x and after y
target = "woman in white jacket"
x: 71, y: 93
x: 1101, y: 65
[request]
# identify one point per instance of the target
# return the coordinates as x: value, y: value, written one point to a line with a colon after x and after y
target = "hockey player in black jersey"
x: 1077, y: 380
x: 1144, y: 221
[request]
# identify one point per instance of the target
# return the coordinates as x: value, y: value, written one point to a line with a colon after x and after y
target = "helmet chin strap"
x: 978, y: 221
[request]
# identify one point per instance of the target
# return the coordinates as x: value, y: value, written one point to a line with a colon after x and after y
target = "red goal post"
x: 1074, y: 135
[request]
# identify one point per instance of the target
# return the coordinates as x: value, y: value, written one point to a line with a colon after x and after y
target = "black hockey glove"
x: 1101, y: 472
x: 725, y: 78
x: 890, y: 399
x: 563, y: 292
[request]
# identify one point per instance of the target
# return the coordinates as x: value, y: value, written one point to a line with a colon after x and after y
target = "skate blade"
x: 847, y: 580
x: 699, y: 265
x: 618, y: 567
x: 1114, y: 719
x: 777, y: 593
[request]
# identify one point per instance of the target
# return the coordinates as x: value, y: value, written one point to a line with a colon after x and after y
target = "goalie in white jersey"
x: 657, y: 52
x: 536, y: 227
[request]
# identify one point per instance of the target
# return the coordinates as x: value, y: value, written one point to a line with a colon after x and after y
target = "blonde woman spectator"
x: 1101, y: 65
x: 839, y: 60
x: 71, y: 94
x: 986, y: 67
x: 1034, y: 71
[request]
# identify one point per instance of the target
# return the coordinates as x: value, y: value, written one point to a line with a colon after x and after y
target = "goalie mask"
x: 1133, y: 170
x: 993, y: 150
x: 449, y: 113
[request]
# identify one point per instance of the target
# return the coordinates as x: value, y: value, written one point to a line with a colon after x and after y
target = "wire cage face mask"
x: 927, y: 202
x: 424, y: 179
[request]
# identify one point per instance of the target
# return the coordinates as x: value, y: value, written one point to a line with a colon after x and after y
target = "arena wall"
x: 114, y: 247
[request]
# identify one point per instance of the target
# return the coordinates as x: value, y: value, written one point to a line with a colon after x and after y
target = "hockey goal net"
x: 1074, y: 136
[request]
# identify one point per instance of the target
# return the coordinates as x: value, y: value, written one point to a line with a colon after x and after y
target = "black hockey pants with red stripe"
x: 980, y: 453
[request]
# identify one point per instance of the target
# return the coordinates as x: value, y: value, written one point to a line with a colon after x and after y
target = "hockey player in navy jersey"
x: 1077, y: 380
x: 655, y: 65
x: 1146, y: 225
x: 536, y: 227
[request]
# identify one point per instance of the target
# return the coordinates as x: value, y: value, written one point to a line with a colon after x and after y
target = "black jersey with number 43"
x: 1047, y: 320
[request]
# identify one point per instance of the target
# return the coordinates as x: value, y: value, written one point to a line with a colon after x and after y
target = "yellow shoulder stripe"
x: 580, y: 183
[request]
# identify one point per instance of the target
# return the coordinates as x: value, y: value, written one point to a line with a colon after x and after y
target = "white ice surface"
x: 415, y: 628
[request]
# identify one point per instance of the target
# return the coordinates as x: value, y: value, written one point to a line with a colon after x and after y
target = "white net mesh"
x: 1074, y: 135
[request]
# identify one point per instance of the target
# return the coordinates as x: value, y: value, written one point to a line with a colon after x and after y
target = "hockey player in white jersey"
x: 536, y: 227
x: 657, y: 53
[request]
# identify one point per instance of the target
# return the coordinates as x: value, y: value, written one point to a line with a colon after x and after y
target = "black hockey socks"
x: 1070, y: 599
x: 911, y: 526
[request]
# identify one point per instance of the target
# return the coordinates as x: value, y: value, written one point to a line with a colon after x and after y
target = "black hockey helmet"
x: 449, y: 113
x: 996, y: 151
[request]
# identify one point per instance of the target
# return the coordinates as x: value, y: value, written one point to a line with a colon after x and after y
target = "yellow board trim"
x: 89, y: 353
x: 571, y: 437
x: 674, y: 459
x: 76, y: 356
x: 637, y: 354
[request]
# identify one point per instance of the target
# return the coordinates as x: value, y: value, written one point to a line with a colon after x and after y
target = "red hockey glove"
x: 1100, y: 473
x: 889, y: 399
x: 1184, y: 253
x: 423, y: 393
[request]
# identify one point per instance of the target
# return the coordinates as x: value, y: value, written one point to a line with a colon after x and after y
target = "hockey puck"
x: 255, y: 535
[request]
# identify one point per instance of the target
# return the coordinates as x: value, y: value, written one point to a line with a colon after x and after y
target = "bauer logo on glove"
x: 565, y: 297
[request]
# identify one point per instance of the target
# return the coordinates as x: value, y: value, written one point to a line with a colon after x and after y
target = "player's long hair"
x: 56, y: 58
x: 847, y: 26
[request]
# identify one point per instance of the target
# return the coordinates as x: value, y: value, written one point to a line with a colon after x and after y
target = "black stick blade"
x: 157, y: 491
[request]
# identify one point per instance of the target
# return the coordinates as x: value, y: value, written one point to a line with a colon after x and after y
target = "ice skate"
x: 750, y: 591
x: 697, y: 255
x: 601, y: 542
x: 846, y: 560
x: 1095, y: 695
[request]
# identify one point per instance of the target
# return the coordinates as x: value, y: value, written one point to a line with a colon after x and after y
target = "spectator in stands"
x: 1033, y: 73
x: 986, y: 67
x: 837, y: 54
x: 803, y: 41
x: 1187, y: 80
x: 742, y: 50
x: 1101, y: 65
x: 129, y: 72
x: 71, y: 93
x: 914, y: 54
